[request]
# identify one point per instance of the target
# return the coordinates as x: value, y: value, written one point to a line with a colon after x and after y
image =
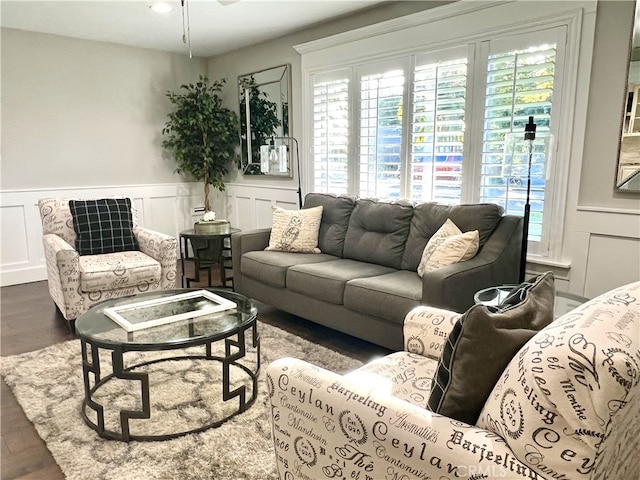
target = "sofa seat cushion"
x: 109, y: 271
x: 326, y: 281
x: 390, y: 296
x: 270, y: 267
x: 401, y: 374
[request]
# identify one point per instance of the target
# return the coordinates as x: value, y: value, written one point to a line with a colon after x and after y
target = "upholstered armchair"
x: 79, y: 277
x: 565, y: 406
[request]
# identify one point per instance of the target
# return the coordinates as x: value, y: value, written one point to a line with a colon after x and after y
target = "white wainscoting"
x: 249, y: 206
x: 605, y: 250
x: 166, y: 208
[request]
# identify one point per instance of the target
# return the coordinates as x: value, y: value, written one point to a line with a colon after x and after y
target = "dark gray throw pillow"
x: 482, y: 343
x: 103, y: 225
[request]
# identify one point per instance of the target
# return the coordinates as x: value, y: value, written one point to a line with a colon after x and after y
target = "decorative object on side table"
x: 208, y: 225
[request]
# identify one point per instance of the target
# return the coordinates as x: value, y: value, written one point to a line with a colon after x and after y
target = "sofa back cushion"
x: 335, y: 220
x: 378, y: 232
x: 429, y: 217
x: 554, y: 402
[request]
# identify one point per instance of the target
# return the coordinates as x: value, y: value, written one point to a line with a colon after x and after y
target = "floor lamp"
x: 273, y: 156
x: 529, y: 136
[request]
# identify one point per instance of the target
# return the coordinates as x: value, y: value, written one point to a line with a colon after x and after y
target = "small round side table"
x: 208, y: 249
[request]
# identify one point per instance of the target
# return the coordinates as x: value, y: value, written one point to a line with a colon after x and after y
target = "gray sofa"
x: 365, y: 281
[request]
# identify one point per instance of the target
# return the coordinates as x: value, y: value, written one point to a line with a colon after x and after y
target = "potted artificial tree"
x: 203, y: 137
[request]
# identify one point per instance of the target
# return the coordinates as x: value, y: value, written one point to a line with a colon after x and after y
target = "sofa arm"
x: 63, y: 275
x: 425, y: 330
x: 325, y: 426
x: 249, y: 241
x: 164, y: 249
x: 497, y: 263
x: 243, y: 242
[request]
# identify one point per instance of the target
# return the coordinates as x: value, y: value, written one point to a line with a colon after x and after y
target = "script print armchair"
x: 565, y: 407
x: 78, y: 281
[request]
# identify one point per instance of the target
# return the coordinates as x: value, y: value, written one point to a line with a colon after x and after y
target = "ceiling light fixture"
x: 161, y: 7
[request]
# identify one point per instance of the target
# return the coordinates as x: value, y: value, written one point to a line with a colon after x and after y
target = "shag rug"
x: 48, y: 385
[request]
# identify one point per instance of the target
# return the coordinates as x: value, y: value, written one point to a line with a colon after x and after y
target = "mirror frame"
x: 628, y: 163
x: 268, y: 91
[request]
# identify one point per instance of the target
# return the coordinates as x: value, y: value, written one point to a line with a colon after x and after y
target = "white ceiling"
x: 216, y: 26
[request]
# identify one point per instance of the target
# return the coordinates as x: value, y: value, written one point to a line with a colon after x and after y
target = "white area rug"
x: 48, y: 385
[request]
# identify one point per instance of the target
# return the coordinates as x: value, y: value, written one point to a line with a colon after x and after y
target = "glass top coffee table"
x: 164, y: 381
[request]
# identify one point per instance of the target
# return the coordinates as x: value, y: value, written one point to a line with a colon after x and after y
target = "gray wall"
x: 280, y: 51
x: 608, y: 79
x: 604, y: 113
x: 80, y: 113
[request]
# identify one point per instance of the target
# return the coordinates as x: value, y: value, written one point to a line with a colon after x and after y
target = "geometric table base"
x: 238, y: 381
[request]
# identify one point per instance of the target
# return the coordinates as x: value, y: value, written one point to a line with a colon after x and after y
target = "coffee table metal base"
x: 91, y: 367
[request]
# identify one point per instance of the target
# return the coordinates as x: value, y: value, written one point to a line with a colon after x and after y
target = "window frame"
x: 438, y: 31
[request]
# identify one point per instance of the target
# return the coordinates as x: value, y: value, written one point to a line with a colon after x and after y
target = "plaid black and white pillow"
x: 103, y: 225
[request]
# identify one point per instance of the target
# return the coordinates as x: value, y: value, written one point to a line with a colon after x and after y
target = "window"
x: 380, y: 133
x: 519, y: 85
x: 437, y: 127
x: 330, y: 133
x: 434, y: 125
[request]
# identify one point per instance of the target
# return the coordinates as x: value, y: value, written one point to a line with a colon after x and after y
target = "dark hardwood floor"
x: 30, y: 321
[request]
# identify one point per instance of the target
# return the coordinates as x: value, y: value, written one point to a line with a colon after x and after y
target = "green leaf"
x: 201, y: 133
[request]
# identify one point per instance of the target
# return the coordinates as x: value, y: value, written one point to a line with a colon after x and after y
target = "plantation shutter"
x: 520, y: 82
x: 331, y: 132
x: 380, y: 131
x: 437, y: 126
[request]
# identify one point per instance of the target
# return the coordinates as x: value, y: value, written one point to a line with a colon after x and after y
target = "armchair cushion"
x: 481, y: 345
x: 110, y: 271
x: 103, y: 225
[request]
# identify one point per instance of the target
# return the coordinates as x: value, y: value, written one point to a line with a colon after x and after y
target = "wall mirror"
x: 265, y: 104
x: 628, y: 173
